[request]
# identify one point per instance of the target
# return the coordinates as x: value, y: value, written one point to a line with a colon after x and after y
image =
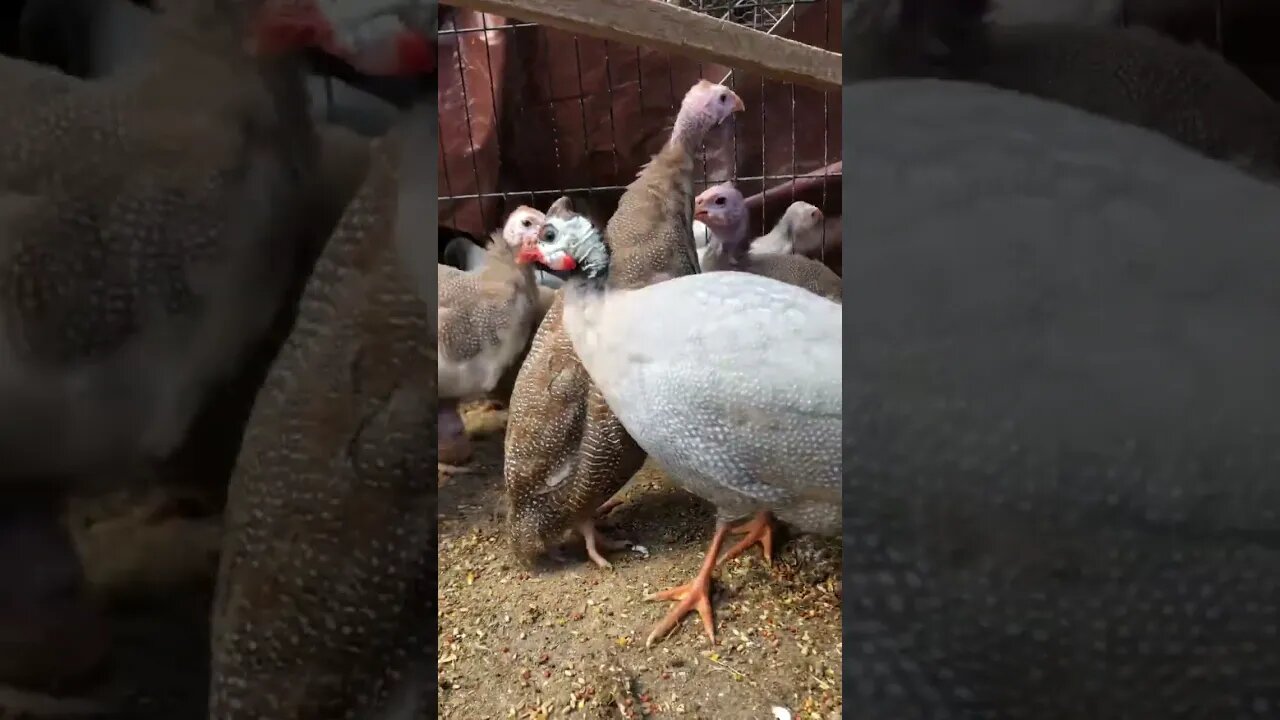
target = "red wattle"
x: 568, y: 263
x: 526, y: 255
x: 415, y: 55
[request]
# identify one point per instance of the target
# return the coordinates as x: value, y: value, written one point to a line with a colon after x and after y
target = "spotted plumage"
x: 326, y: 588
x: 148, y: 231
x: 565, y: 451
x: 1132, y: 74
x: 729, y: 247
x: 763, y: 439
x: 486, y: 318
x: 1060, y: 425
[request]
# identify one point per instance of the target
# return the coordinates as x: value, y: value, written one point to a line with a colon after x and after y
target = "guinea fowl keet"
x: 565, y: 452
x: 721, y: 208
x: 730, y: 380
x: 484, y: 324
x: 801, y: 224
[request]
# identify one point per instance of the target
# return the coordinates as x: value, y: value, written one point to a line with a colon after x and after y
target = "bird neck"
x: 413, y: 143
x: 731, y: 238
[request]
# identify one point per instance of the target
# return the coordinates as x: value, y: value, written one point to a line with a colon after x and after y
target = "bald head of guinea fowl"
x: 706, y: 105
x: 568, y: 247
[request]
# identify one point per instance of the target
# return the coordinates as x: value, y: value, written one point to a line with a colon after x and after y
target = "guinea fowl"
x: 150, y: 241
x: 565, y: 452
x: 1134, y: 74
x: 152, y: 223
x: 325, y: 600
x: 755, y: 442
x: 465, y: 254
x: 1060, y: 454
x: 800, y: 225
x: 720, y: 207
x: 484, y: 324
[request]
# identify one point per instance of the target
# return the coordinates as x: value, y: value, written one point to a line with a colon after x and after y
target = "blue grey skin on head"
x: 1061, y: 442
x: 573, y: 236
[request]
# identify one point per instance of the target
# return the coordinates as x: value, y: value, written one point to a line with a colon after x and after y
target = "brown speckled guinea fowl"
x: 149, y: 227
x: 565, y: 451
x: 325, y: 599
x: 324, y: 602
x: 721, y: 209
x: 485, y: 321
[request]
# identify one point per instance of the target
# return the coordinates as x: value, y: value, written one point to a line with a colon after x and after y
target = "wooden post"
x: 662, y: 26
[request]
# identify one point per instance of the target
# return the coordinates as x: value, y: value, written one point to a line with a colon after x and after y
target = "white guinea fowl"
x: 731, y: 381
x: 801, y: 220
x: 701, y: 236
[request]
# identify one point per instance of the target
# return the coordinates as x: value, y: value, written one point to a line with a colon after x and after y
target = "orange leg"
x: 758, y: 529
x: 694, y: 595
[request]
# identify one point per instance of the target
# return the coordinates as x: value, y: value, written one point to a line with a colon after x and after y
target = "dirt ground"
x: 568, y: 640
x: 155, y: 579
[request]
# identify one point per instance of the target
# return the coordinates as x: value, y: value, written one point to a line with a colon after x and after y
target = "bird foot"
x: 448, y: 470
x: 758, y: 530
x: 694, y: 595
x: 595, y: 540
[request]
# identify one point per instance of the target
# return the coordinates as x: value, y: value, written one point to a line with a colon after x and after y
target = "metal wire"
x: 767, y: 15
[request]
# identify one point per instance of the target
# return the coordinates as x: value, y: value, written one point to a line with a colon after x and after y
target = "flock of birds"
x: 1060, y: 451
x: 667, y: 332
x: 192, y: 259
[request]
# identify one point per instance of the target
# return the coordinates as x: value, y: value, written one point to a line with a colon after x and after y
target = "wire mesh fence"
x: 529, y: 113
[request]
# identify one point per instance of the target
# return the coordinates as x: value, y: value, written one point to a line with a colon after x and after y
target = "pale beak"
x: 737, y: 103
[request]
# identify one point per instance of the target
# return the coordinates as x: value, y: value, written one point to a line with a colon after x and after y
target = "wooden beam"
x: 662, y: 26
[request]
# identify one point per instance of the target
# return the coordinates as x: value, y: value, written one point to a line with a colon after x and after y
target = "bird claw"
x: 758, y: 530
x: 595, y: 541
x: 449, y: 470
x: 695, y: 595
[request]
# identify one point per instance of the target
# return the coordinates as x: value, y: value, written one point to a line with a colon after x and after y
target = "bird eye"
x: 527, y: 222
x: 724, y: 97
x: 719, y: 201
x: 549, y: 235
